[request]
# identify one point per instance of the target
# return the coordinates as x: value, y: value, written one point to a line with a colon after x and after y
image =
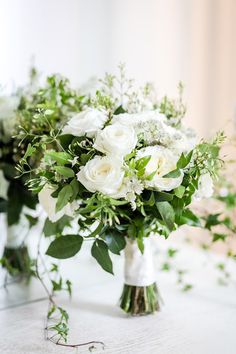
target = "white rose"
x: 48, y: 203
x: 102, y: 174
x: 3, y: 186
x: 162, y: 161
x: 86, y: 122
x: 116, y: 139
x: 205, y: 187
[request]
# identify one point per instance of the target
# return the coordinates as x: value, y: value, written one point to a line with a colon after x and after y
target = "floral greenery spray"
x: 125, y: 168
x: 18, y: 212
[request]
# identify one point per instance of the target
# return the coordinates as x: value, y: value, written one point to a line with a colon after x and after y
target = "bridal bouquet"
x: 124, y: 167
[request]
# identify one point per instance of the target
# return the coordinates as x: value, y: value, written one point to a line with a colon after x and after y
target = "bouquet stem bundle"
x: 140, y: 294
x: 140, y: 300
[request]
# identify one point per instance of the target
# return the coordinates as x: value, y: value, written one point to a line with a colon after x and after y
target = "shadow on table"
x: 103, y: 309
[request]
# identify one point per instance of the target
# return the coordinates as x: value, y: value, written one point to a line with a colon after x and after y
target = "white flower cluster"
x: 145, y: 134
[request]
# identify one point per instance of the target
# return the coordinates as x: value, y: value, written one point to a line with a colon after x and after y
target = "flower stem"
x: 140, y: 300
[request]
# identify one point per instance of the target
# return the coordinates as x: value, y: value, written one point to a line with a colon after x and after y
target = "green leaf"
x: 65, y: 246
x: 142, y: 162
x: 119, y: 110
x: 63, y: 197
x: 55, y: 228
x: 217, y: 237
x: 173, y: 174
x: 64, y: 171
x: 167, y: 214
x: 75, y: 188
x: 163, y: 197
x: 115, y: 241
x: 32, y: 220
x: 212, y: 220
x: 100, y: 252
x: 184, y: 160
x: 189, y: 218
x: 140, y: 244
x: 29, y: 152
x: 61, y: 158
x: 97, y: 230
x: 179, y: 191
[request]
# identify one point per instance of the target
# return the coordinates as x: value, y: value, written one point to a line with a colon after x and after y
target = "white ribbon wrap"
x: 139, y: 268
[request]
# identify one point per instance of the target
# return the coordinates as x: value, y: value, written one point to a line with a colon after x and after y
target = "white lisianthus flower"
x: 205, y: 187
x: 102, y: 174
x: 162, y: 161
x: 3, y: 186
x: 87, y: 122
x: 116, y: 139
x: 48, y: 204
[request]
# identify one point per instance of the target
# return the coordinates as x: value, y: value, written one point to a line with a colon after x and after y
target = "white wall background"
x: 163, y: 41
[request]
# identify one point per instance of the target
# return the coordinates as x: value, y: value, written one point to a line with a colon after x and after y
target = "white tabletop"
x: 201, y: 321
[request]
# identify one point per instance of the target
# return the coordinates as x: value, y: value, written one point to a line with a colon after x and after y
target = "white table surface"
x: 201, y: 321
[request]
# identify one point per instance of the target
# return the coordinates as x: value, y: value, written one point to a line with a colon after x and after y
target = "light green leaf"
x: 61, y: 158
x: 64, y: 171
x: 63, y: 197
x: 179, y: 191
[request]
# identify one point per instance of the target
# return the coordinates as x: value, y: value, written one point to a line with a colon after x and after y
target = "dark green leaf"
x: 217, y: 237
x: 167, y: 214
x: 119, y: 110
x: 65, y: 246
x: 55, y: 228
x: 189, y: 218
x: 100, y: 253
x: 115, y: 241
x: 163, y: 197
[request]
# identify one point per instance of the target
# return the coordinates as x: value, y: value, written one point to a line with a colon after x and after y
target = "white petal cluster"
x: 116, y: 140
x: 146, y: 133
x: 102, y: 174
x: 162, y: 162
x: 87, y: 122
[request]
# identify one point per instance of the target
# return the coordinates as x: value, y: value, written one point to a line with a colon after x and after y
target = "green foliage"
x: 65, y: 246
x: 64, y: 197
x: 100, y: 252
x: 115, y: 241
x: 56, y: 228
x: 167, y: 214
